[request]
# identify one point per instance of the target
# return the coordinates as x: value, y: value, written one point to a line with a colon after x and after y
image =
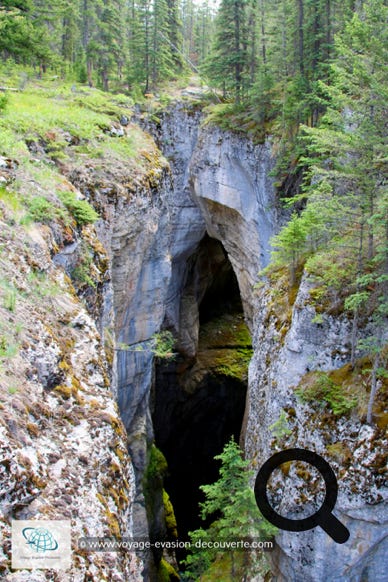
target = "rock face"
x: 153, y: 268
x: 62, y: 442
x: 159, y: 271
x: 229, y: 180
x: 284, y: 352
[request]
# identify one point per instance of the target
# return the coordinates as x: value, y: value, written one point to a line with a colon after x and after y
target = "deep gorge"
x: 198, y: 401
x: 178, y: 248
x: 195, y: 268
x: 222, y: 210
x: 193, y: 264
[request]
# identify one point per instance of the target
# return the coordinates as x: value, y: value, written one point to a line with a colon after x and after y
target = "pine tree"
x: 162, y: 62
x: 21, y: 36
x: 175, y: 34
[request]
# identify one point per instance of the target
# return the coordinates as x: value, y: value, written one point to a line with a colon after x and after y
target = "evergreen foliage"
x: 231, y: 502
x: 324, y: 389
x: 226, y: 64
x: 109, y: 43
x: 341, y: 234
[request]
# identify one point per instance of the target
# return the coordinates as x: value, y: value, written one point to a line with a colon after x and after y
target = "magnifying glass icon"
x: 323, y: 517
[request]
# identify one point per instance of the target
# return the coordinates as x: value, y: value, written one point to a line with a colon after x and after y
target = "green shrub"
x: 82, y: 211
x: 323, y: 389
x: 163, y: 345
x: 7, y: 348
x: 280, y: 427
x: 10, y: 197
x: 3, y: 101
x: 42, y: 210
x: 81, y: 272
x: 10, y: 300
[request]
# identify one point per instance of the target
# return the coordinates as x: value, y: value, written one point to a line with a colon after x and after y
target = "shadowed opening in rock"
x: 198, y: 403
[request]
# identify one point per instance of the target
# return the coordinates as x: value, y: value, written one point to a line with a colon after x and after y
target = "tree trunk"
x: 328, y: 29
x: 284, y: 38
x: 263, y: 39
x: 375, y: 385
x: 233, y: 567
x: 237, y: 24
x: 105, y: 78
x: 85, y: 23
x: 301, y: 36
x: 147, y: 53
x: 354, y: 339
x: 355, y: 316
x: 89, y: 66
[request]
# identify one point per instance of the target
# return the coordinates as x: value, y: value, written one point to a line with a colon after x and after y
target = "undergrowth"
x: 319, y: 387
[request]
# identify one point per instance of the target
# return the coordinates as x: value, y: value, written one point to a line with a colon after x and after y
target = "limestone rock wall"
x: 212, y: 181
x: 285, y: 349
x: 230, y: 179
x: 230, y: 182
x: 62, y: 443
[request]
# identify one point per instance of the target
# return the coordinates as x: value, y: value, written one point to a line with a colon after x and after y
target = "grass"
x: 9, y: 294
x: 50, y: 123
x: 11, y: 199
x: 41, y: 285
x: 52, y: 115
x: 33, y: 113
x: 8, y: 349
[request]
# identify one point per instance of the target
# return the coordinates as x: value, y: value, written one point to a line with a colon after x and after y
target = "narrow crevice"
x: 198, y: 403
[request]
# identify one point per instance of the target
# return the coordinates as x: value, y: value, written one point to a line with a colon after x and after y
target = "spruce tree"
x: 227, y: 62
x: 231, y: 502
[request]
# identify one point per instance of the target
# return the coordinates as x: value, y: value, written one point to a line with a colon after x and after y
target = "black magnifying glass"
x: 323, y: 517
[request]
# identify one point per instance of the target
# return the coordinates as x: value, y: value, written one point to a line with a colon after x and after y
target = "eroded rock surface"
x: 231, y: 182
x: 286, y: 348
x: 62, y: 442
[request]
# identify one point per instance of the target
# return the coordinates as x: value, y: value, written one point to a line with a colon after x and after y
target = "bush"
x: 82, y: 271
x: 42, y: 210
x: 3, y: 101
x: 163, y: 345
x: 81, y: 210
x: 324, y: 389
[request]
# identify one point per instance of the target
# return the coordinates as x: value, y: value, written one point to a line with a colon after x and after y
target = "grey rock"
x: 231, y: 183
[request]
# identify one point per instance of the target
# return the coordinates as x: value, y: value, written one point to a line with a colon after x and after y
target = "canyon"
x: 222, y: 190
x: 183, y: 254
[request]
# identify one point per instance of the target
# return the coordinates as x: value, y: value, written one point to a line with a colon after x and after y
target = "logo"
x: 323, y: 517
x: 41, y: 544
x: 40, y: 539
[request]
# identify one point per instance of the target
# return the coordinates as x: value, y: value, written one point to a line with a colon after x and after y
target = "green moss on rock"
x: 166, y: 572
x: 225, y: 346
x: 169, y: 516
